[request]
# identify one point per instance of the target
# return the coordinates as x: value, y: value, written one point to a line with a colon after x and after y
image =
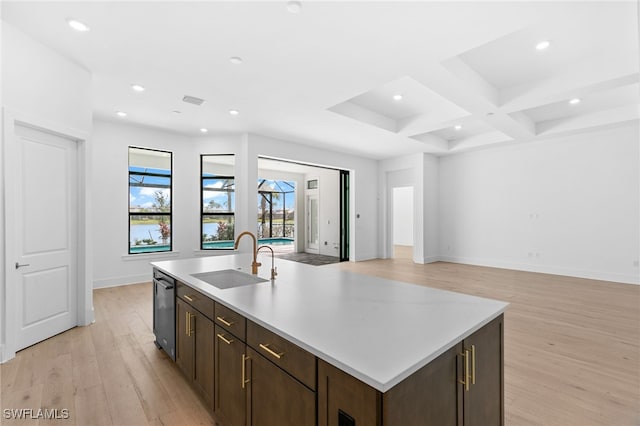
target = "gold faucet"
x: 254, y: 264
x: 274, y: 271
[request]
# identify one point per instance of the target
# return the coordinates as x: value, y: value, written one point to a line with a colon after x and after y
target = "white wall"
x: 430, y: 207
x: 113, y: 266
x: 567, y: 206
x: 44, y: 89
x: 363, y: 178
x: 403, y: 216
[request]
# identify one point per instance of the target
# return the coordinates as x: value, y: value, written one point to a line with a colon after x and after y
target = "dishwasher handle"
x: 164, y: 284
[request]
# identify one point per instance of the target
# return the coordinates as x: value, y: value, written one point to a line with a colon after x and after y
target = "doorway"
x: 42, y: 255
x: 321, y: 200
x: 402, y: 227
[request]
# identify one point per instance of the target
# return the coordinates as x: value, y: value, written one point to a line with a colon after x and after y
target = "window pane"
x: 149, y: 159
x: 149, y: 233
x: 218, y: 201
x: 217, y: 231
x: 149, y: 194
x: 218, y: 165
x: 218, y: 195
x: 152, y: 199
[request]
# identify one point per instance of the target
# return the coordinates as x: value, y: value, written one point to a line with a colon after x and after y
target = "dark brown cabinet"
x: 275, y: 398
x: 230, y: 379
x: 204, y: 359
x: 483, y: 398
x: 252, y: 390
x: 184, y: 338
x: 345, y: 400
x: 195, y: 348
x: 462, y: 387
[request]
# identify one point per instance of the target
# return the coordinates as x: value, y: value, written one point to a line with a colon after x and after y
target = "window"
x: 276, y: 209
x: 149, y: 200
x: 218, y: 201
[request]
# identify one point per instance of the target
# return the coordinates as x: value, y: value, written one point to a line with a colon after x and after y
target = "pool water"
x: 149, y: 249
x: 229, y: 244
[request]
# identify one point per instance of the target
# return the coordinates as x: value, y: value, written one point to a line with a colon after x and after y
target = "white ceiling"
x: 326, y: 76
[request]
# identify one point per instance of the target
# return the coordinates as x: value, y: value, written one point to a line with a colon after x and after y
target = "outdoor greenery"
x: 225, y: 231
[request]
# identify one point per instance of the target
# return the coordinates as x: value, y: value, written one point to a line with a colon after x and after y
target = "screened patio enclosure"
x: 276, y: 209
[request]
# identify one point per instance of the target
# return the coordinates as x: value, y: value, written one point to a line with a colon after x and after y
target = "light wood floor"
x: 572, y: 353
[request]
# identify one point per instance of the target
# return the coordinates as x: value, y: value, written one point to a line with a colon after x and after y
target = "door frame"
x: 8, y: 320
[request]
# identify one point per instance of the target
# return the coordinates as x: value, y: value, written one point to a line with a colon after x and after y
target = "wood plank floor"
x: 572, y: 353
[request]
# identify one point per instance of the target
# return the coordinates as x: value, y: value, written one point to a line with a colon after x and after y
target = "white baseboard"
x: 118, y: 281
x: 364, y: 256
x: 547, y: 269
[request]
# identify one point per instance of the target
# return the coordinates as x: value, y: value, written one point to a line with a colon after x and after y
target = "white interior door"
x: 312, y: 240
x: 46, y: 211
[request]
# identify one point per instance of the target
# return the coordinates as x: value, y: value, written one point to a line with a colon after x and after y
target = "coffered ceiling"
x: 468, y: 73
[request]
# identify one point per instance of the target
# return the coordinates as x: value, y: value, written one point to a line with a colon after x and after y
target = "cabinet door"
x: 203, y: 368
x: 230, y: 391
x: 429, y: 397
x: 345, y: 400
x: 275, y: 397
x: 184, y: 338
x: 484, y: 402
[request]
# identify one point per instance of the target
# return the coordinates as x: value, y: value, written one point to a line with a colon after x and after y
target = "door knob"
x: 19, y: 265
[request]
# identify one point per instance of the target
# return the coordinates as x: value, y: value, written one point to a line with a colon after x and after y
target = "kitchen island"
x: 340, y: 348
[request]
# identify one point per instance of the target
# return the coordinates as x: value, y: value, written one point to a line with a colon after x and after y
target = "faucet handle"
x: 274, y: 273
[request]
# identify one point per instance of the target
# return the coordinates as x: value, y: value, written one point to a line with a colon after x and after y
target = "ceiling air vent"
x: 193, y: 100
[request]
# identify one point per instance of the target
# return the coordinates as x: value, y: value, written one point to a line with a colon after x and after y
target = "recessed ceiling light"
x: 543, y: 45
x: 77, y: 25
x: 458, y: 127
x: 397, y: 97
x: 236, y: 60
x: 294, y: 6
x: 137, y: 88
x: 575, y: 101
x: 203, y: 130
x: 121, y: 114
x: 234, y: 112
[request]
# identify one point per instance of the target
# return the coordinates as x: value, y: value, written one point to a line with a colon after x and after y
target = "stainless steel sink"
x: 228, y: 278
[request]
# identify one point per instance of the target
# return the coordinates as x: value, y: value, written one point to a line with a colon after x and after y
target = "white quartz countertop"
x: 377, y: 330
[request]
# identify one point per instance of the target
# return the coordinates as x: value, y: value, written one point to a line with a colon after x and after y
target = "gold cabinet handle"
x: 189, y: 316
x: 224, y: 339
x: 188, y: 298
x: 186, y: 323
x: 465, y: 372
x: 271, y: 351
x: 244, y: 370
x: 473, y: 364
x: 224, y: 321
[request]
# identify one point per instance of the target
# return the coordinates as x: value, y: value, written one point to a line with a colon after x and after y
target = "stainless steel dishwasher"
x: 164, y: 312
